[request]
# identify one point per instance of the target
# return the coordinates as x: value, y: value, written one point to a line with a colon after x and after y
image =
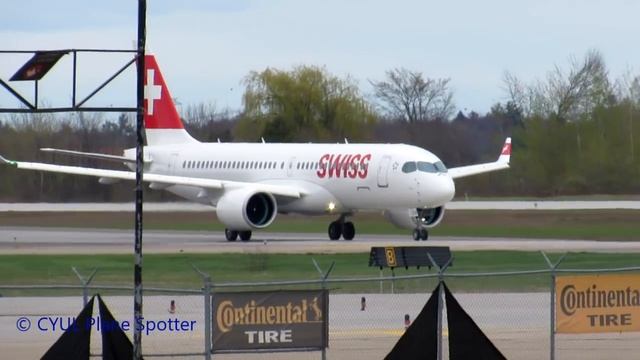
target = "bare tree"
x: 407, y: 94
x: 518, y: 93
x: 202, y: 113
x: 206, y: 122
x: 627, y: 87
x: 42, y: 122
x: 565, y: 96
x: 628, y: 90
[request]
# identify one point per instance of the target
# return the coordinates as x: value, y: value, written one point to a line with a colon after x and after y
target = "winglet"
x: 6, y: 161
x: 505, y: 154
x: 500, y: 164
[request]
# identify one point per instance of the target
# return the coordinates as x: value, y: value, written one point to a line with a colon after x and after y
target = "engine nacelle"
x: 246, y: 209
x: 415, y: 217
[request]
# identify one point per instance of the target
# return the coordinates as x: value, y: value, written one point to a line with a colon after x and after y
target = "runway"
x: 181, y: 206
x: 30, y: 240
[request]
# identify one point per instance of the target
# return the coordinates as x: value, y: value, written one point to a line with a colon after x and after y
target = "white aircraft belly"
x: 191, y: 193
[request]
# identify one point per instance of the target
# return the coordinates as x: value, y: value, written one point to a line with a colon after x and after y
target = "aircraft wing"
x: 500, y: 164
x: 167, y: 180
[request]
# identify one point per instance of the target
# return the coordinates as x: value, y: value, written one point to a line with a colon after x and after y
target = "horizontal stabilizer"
x: 99, y: 156
x: 6, y: 161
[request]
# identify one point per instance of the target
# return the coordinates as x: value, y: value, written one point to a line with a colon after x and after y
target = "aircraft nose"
x: 446, y: 189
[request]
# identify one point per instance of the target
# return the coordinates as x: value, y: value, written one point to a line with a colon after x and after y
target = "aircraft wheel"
x: 334, y: 231
x: 231, y: 235
x: 424, y: 234
x: 416, y: 234
x: 245, y: 235
x: 348, y: 231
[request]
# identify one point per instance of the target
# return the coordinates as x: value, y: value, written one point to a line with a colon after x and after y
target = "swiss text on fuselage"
x: 344, y: 165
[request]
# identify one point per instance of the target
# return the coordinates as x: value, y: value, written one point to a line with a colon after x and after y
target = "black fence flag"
x: 466, y: 340
x: 115, y: 343
x: 76, y: 340
x: 420, y: 340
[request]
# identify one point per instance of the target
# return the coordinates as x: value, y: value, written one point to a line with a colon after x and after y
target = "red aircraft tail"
x: 162, y: 122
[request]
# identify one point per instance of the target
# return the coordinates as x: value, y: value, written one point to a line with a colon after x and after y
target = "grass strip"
x: 176, y: 271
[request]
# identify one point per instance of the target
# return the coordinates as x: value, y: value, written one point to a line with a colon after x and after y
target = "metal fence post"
x: 552, y: 317
x: 206, y: 290
x: 552, y: 307
x: 207, y: 318
x: 85, y: 283
x: 393, y: 276
x: 440, y: 309
x: 440, y: 299
x: 323, y: 278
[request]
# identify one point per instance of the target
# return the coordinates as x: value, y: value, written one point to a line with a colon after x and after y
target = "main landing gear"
x: 338, y: 228
x: 232, y: 235
x: 420, y: 234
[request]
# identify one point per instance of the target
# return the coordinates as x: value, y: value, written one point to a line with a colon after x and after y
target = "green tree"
x: 304, y: 104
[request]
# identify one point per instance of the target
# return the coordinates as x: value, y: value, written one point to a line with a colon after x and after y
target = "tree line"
x: 574, y: 130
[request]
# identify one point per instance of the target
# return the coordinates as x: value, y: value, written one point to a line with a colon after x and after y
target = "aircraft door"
x: 383, y: 171
x: 173, y: 165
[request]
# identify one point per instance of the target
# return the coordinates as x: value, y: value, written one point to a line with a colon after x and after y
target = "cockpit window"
x: 423, y: 166
x: 440, y: 166
x: 427, y: 167
x: 409, y: 167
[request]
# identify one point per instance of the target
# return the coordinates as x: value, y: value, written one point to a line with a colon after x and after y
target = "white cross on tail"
x: 152, y: 91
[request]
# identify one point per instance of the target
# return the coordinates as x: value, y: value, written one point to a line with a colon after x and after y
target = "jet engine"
x: 415, y: 217
x: 246, y: 209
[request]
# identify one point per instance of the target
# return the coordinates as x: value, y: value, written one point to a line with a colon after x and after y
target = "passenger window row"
x: 316, y: 166
x: 309, y: 165
x: 220, y: 164
x: 268, y: 165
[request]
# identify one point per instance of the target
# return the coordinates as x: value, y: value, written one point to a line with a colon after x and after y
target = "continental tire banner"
x: 597, y: 303
x: 245, y: 321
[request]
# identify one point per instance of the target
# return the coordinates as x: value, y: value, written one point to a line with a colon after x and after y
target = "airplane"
x: 248, y: 184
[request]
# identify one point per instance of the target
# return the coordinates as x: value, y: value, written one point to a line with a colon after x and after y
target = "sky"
x: 206, y: 48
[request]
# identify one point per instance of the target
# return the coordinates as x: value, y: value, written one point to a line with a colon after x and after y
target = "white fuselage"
x: 336, y: 178
x: 249, y: 183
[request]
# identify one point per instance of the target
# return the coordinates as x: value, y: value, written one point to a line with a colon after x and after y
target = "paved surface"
x: 29, y: 240
x: 454, y: 205
x: 516, y: 323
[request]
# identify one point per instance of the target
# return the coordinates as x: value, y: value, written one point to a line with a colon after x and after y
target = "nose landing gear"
x: 245, y: 235
x: 232, y: 235
x: 420, y: 234
x: 338, y: 228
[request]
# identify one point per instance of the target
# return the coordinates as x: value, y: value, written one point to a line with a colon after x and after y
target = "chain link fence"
x: 366, y: 316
